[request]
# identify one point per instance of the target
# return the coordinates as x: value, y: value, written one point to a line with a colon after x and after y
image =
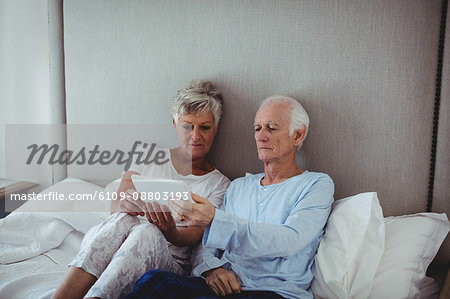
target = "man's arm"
x: 204, y: 259
x: 206, y: 263
x: 245, y: 238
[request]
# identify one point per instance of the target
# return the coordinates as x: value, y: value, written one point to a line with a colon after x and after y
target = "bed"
x: 374, y: 77
x: 362, y: 254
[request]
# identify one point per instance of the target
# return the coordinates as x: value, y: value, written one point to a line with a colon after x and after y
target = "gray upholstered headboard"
x: 364, y: 70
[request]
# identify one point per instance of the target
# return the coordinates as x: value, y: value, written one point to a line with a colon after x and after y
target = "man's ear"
x: 299, y: 136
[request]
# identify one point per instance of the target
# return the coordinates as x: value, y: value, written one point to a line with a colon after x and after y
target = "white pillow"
x: 351, y: 248
x: 412, y: 242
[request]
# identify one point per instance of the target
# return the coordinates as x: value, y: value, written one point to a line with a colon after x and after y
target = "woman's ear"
x: 174, y: 124
x: 299, y: 136
x: 216, y: 128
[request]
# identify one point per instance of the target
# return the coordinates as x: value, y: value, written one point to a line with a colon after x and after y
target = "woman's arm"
x: 161, y: 216
x: 125, y: 185
x: 188, y: 236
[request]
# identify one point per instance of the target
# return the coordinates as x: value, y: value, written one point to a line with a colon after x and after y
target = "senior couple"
x: 258, y: 234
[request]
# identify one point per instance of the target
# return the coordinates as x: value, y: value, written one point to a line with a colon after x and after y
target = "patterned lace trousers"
x: 118, y: 251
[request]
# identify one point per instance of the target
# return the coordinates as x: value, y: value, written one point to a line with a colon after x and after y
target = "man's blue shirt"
x: 268, y: 235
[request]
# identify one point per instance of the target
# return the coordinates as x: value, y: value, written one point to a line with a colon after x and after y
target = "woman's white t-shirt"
x: 211, y: 186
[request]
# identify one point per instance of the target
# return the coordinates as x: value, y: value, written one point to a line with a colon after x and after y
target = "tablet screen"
x: 161, y: 190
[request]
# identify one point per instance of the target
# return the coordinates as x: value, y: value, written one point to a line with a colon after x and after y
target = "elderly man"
x: 262, y: 242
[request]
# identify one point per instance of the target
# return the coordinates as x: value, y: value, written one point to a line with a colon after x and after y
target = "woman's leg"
x: 145, y: 248
x: 98, y: 247
x: 75, y: 285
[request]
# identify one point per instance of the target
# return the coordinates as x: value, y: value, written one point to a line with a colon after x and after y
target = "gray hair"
x: 198, y: 97
x: 298, y: 117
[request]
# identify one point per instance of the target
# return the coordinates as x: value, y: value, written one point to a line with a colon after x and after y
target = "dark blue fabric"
x: 156, y: 284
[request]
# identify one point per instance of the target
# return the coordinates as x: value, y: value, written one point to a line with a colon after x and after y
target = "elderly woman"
x: 117, y: 252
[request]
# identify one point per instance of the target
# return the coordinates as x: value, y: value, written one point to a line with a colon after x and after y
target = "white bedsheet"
x: 35, y: 247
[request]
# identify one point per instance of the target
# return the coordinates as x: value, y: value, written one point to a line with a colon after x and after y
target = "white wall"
x: 364, y: 70
x: 24, y: 65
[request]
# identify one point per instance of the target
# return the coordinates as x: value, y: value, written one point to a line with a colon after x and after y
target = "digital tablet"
x: 161, y: 190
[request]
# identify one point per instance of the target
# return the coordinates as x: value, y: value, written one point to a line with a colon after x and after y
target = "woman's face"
x: 196, y: 134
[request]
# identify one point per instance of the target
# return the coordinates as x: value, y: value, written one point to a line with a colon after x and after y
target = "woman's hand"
x: 125, y: 184
x: 161, y: 217
x: 158, y: 215
x: 131, y: 203
x: 199, y: 214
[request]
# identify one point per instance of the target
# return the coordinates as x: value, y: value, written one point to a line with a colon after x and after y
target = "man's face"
x: 272, y: 138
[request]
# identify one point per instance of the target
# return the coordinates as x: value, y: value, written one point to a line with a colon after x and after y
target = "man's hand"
x: 222, y: 282
x: 199, y: 214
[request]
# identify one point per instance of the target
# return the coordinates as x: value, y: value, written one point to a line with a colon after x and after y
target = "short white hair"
x: 298, y: 116
x: 198, y: 97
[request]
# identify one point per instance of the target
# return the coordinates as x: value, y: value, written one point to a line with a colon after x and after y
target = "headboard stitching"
x: 437, y: 101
